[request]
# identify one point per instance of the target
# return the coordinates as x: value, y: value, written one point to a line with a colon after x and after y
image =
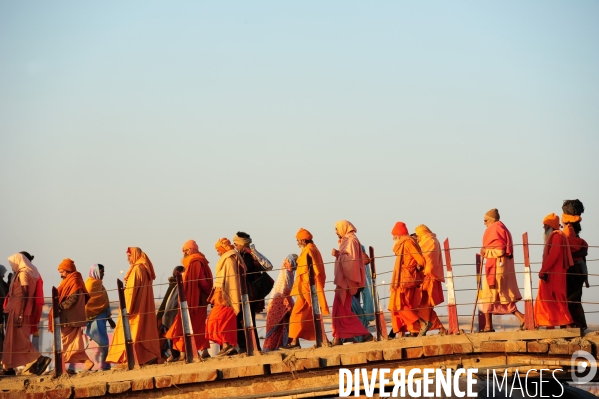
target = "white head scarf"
x: 19, y: 262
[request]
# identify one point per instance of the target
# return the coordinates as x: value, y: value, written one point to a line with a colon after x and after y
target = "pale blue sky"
x: 150, y: 123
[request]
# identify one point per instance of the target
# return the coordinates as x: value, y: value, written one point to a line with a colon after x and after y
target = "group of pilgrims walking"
x: 415, y: 289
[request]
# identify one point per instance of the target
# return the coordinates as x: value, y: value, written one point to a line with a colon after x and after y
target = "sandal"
x: 425, y: 329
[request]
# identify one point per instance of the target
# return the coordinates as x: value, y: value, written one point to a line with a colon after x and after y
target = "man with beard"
x: 72, y: 297
x: 349, y: 278
x: 19, y: 308
x: 301, y: 321
x: 197, y: 284
x: 500, y: 286
x: 551, y: 306
x: 242, y: 243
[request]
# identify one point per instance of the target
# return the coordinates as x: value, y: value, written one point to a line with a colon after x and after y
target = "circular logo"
x: 584, y: 367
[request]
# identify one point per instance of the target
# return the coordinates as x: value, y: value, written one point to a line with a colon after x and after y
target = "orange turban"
x: 67, y: 265
x: 570, y: 218
x: 552, y: 220
x: 224, y: 245
x: 493, y: 214
x: 303, y: 234
x: 190, y: 244
x: 422, y: 230
x: 399, y: 229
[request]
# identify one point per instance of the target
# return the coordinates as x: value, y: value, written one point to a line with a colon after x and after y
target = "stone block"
x: 189, y: 378
x: 307, y: 364
x: 392, y: 354
x: 515, y: 346
x: 537, y: 347
x: 559, y: 349
x: 59, y: 393
x: 243, y: 371
x: 462, y: 348
x: 164, y: 381
x: 354, y: 358
x: 492, y: 346
x: 279, y: 367
x: 374, y: 356
x: 437, y: 350
x: 413, y: 353
x: 90, y: 391
x: 330, y: 361
x: 142, y: 384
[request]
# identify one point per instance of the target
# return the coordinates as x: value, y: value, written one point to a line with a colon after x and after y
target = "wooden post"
x: 379, y: 316
x: 59, y: 367
x: 321, y: 336
x: 452, y: 311
x: 191, y: 351
x: 248, y: 324
x: 529, y: 318
x: 129, y: 348
x: 479, y: 273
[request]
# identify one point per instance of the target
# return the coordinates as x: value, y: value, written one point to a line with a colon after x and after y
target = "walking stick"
x: 478, y: 280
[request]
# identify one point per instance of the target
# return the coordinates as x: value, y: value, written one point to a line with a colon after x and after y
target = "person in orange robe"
x: 405, y: 293
x: 432, y: 289
x: 141, y: 309
x: 225, y: 298
x: 19, y: 308
x: 551, y: 306
x: 577, y: 275
x: 197, y: 284
x: 349, y: 277
x: 301, y: 321
x: 72, y: 297
x: 500, y: 286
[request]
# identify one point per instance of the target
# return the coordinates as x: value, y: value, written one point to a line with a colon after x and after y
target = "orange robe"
x: 301, y: 321
x: 225, y: 297
x: 500, y: 286
x: 433, y: 277
x: 139, y: 300
x: 72, y: 318
x: 408, y: 302
x: 551, y: 306
x: 197, y: 284
x: 18, y: 349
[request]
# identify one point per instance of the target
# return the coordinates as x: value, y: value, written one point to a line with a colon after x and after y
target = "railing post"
x: 452, y: 311
x: 379, y: 316
x: 59, y: 367
x: 529, y: 318
x: 129, y: 348
x: 316, y: 313
x: 479, y: 278
x: 191, y: 351
x: 248, y: 324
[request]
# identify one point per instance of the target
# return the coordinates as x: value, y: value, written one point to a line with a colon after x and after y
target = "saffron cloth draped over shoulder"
x: 98, y: 297
x: 139, y: 300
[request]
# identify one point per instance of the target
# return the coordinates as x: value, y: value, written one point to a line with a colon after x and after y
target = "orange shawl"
x: 72, y: 283
x: 98, y: 297
x: 139, y: 258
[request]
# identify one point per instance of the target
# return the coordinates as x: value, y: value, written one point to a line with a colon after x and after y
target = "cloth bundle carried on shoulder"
x: 261, y: 259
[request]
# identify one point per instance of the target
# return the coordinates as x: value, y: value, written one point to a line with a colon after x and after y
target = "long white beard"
x: 547, y: 233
